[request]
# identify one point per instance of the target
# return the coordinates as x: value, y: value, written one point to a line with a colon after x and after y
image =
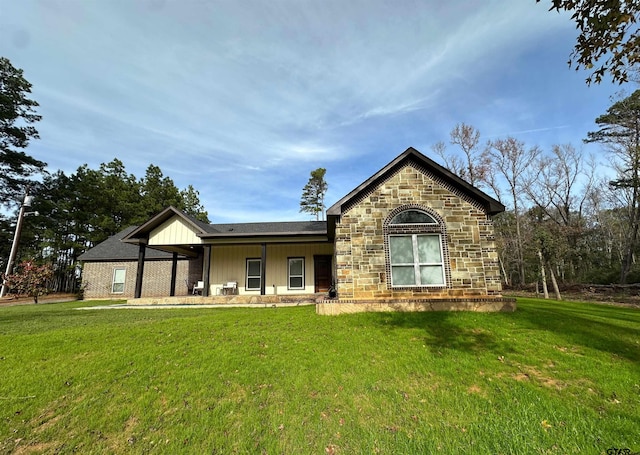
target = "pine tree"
x: 17, y: 116
x: 620, y: 133
x: 312, y: 200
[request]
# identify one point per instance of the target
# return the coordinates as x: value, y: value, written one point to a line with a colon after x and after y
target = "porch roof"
x: 232, y: 231
x: 268, y: 229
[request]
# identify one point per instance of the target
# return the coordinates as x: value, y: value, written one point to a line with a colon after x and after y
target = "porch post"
x: 206, y: 269
x: 174, y: 271
x: 141, y: 252
x: 263, y: 270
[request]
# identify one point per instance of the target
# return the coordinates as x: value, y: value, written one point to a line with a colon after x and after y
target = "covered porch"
x: 238, y: 263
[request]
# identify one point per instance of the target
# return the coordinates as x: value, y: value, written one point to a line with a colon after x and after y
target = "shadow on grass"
x: 609, y: 329
x: 445, y: 330
x: 605, y: 328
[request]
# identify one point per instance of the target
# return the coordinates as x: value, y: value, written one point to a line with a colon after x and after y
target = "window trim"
x: 247, y: 276
x: 114, y: 282
x: 416, y: 261
x: 440, y: 228
x: 289, y: 275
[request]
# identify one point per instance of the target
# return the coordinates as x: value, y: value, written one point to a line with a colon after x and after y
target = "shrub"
x: 30, y: 279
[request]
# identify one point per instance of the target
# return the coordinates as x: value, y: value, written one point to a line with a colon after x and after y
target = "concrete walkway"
x: 124, y: 306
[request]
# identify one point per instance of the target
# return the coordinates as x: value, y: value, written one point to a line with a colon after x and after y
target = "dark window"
x: 413, y: 217
x: 296, y: 273
x: 254, y: 272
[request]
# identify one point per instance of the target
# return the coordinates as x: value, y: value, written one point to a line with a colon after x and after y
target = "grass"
x: 554, y: 377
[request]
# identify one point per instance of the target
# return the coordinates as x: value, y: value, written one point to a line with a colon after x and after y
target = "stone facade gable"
x: 361, y: 240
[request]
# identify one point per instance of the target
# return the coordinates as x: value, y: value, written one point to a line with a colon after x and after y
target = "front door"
x: 322, y: 273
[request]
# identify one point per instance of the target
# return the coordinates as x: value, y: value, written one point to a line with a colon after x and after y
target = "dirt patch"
x: 476, y: 390
x: 12, y: 300
x: 36, y: 447
x: 46, y: 421
x: 527, y: 373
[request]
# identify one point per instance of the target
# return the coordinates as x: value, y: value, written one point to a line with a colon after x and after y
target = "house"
x: 109, y: 270
x: 412, y: 237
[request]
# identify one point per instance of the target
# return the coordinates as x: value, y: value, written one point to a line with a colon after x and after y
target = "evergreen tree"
x: 158, y: 192
x: 17, y: 116
x: 620, y: 133
x: 191, y: 204
x: 312, y: 200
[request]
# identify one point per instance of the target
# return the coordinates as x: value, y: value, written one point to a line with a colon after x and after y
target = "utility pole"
x: 16, y: 239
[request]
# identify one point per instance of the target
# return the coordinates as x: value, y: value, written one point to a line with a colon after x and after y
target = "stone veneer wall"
x: 361, y: 253
x: 97, y: 278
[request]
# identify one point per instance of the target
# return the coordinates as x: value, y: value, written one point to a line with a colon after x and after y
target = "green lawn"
x: 553, y: 377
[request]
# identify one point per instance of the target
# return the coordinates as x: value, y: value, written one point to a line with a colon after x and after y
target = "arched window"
x: 412, y: 217
x: 415, y: 250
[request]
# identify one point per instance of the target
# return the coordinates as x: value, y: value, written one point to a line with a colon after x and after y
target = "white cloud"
x: 240, y: 99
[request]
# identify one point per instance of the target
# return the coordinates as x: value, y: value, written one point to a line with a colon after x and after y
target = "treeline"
x: 69, y: 213
x: 77, y: 211
x: 569, y: 219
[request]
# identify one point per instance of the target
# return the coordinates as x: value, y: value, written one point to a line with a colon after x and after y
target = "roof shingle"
x: 113, y: 249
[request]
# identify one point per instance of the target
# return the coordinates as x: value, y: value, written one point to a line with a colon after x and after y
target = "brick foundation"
x: 336, y: 307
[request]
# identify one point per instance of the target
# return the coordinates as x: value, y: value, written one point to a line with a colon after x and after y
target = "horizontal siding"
x: 228, y: 263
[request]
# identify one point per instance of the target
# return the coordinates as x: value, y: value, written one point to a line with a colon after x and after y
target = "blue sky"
x: 243, y: 99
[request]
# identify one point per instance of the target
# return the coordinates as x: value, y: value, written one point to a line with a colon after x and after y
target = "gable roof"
x: 491, y: 205
x: 141, y: 233
x: 229, y: 230
x: 113, y: 249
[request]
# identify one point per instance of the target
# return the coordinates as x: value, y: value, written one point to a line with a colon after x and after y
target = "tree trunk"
x: 543, y: 276
x: 628, y: 260
x: 519, y: 242
x: 504, y: 272
x: 554, y: 282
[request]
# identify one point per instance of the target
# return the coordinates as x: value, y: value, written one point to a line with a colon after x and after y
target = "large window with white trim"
x: 117, y: 284
x: 415, y: 249
x: 254, y: 274
x: 416, y: 260
x: 296, y: 273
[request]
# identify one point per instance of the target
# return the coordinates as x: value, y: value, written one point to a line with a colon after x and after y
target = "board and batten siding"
x: 174, y: 231
x: 228, y: 263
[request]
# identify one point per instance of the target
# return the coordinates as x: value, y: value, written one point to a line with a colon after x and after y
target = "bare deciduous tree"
x: 559, y: 185
x: 476, y: 160
x: 509, y: 160
x: 449, y: 160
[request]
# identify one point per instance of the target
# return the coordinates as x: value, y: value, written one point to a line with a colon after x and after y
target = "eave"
x: 491, y: 205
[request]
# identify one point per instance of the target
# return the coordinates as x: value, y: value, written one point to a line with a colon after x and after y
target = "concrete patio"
x: 222, y: 300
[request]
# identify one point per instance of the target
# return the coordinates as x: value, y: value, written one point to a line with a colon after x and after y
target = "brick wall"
x: 97, y: 278
x: 361, y: 254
